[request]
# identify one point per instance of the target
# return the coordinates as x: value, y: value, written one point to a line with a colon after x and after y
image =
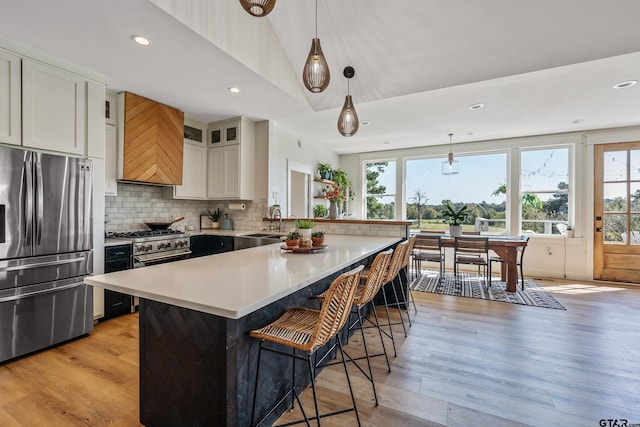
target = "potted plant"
x: 569, y: 232
x: 320, y: 211
x: 325, y: 169
x: 304, y: 227
x: 455, y: 217
x: 215, y: 216
x: 317, y: 238
x: 292, y: 239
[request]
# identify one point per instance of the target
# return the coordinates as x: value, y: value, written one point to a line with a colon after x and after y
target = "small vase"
x: 333, y: 210
x: 305, y: 236
x: 455, y: 230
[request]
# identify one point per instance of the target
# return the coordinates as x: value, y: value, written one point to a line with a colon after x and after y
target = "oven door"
x: 146, y: 260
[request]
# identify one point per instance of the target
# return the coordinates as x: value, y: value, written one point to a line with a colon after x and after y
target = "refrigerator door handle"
x: 41, y: 292
x: 42, y: 264
x: 28, y: 200
x: 40, y: 201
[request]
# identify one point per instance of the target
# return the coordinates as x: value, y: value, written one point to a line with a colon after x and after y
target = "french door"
x: 617, y: 212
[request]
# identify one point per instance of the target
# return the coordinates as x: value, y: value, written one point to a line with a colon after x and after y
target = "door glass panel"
x: 635, y: 230
x: 615, y: 197
x: 615, y: 166
x: 635, y: 196
x: 635, y: 165
x: 615, y: 228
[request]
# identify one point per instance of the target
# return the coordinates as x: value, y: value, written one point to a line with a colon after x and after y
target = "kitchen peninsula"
x: 197, y: 362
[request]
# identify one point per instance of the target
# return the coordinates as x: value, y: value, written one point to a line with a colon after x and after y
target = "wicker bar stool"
x: 392, y: 271
x: 307, y: 330
x: 403, y: 279
x: 364, y: 296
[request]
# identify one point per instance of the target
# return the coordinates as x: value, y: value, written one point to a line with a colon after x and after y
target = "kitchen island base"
x: 198, y: 369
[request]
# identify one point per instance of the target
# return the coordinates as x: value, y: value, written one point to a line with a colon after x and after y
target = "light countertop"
x: 234, y: 284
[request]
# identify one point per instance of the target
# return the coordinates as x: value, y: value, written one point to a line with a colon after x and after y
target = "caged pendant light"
x: 450, y: 166
x: 258, y: 8
x: 315, y: 73
x: 348, y: 119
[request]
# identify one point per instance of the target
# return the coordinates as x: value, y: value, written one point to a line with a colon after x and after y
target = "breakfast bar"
x: 197, y: 362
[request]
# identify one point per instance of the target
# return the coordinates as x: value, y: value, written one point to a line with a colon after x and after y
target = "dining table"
x: 506, y: 247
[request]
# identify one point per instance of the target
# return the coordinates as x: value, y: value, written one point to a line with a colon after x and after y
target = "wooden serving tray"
x: 303, y: 249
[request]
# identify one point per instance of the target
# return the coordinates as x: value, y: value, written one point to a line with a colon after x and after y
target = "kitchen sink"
x: 253, y: 240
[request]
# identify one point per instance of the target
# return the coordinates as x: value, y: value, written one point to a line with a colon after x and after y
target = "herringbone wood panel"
x: 153, y: 148
x: 465, y: 362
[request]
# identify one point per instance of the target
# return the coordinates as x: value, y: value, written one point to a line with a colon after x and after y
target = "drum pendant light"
x: 348, y: 119
x: 315, y: 73
x: 258, y: 8
x: 450, y: 166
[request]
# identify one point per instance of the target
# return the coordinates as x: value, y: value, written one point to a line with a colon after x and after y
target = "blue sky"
x: 480, y: 175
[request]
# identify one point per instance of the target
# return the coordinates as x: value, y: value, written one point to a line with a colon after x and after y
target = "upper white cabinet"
x: 231, y: 162
x: 10, y: 99
x: 226, y: 132
x: 110, y: 161
x: 53, y: 109
x: 194, y: 163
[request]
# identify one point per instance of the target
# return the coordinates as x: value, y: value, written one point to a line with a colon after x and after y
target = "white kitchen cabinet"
x: 54, y: 109
x: 227, y: 132
x: 194, y: 173
x: 231, y: 166
x: 110, y: 109
x: 10, y: 132
x: 111, y: 161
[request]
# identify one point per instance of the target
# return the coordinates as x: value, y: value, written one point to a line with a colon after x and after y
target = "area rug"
x: 473, y: 286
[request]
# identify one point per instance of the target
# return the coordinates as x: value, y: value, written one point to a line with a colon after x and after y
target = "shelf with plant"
x: 325, y: 171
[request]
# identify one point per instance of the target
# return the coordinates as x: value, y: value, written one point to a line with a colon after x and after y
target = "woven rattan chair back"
x: 408, y: 251
x: 376, y: 277
x: 335, y: 308
x: 396, y: 261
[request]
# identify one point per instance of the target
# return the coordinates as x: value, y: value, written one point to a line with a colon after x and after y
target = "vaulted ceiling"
x: 538, y: 66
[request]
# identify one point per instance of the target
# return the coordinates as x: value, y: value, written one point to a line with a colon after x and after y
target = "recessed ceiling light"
x: 627, y: 83
x: 475, y: 106
x: 142, y: 41
x: 365, y: 123
x: 234, y: 90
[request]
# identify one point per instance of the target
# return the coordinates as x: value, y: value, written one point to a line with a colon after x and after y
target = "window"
x: 481, y: 184
x: 544, y: 190
x: 381, y: 189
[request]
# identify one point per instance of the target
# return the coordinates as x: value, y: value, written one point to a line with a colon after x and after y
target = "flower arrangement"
x: 333, y: 193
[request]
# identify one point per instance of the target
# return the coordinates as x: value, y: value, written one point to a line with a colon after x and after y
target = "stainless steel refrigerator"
x: 45, y: 250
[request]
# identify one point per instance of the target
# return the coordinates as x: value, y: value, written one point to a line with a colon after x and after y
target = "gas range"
x: 156, y: 246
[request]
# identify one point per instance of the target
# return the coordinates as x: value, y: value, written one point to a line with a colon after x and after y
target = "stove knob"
x: 139, y: 248
x: 148, y: 247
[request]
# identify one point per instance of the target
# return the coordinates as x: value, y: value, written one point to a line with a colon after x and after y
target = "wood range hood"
x: 150, y: 141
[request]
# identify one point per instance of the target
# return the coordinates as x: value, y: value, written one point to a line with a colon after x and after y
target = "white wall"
x: 283, y: 146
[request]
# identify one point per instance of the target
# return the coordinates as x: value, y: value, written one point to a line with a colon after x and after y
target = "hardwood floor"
x: 464, y: 362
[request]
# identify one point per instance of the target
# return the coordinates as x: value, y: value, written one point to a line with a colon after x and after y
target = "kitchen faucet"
x: 279, y: 217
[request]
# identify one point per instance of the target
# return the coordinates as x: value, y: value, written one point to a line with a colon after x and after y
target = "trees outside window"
x: 381, y: 189
x: 544, y: 189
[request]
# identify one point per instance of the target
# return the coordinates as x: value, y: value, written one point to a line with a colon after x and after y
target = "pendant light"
x: 450, y: 166
x: 258, y: 8
x: 315, y: 73
x: 348, y: 119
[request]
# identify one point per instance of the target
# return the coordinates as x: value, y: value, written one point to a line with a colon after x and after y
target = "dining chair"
x: 472, y: 251
x: 428, y: 248
x: 308, y: 330
x: 518, y: 260
x: 363, y: 299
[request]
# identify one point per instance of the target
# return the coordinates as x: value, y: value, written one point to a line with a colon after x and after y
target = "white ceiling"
x: 539, y: 66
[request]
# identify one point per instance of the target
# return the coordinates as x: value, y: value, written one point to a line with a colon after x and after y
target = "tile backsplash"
x: 136, y: 203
